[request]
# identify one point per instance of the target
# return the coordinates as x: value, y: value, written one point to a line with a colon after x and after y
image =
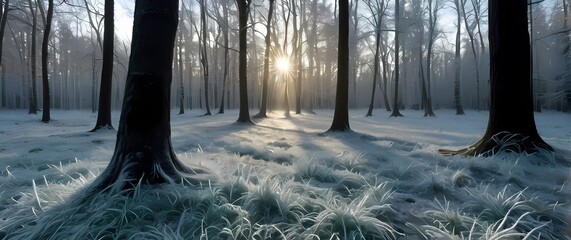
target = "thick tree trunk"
x: 341, y: 115
x: 511, y: 125
x: 45, y: 80
x: 243, y: 10
x: 143, y: 152
x: 104, y: 109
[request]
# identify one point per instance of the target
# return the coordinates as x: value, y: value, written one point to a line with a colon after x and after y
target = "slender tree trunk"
x: 263, y: 107
x: 226, y: 54
x: 45, y: 80
x: 204, y: 55
x: 33, y: 104
x: 341, y: 114
x: 143, y: 152
x: 105, y: 90
x: 243, y: 10
x: 375, y: 68
x: 180, y: 75
x: 474, y: 53
x: 511, y: 114
x: 4, y: 14
x: 396, y: 112
x: 458, y: 62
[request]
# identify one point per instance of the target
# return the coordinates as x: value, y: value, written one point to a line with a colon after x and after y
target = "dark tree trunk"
x: 33, y: 104
x: 180, y: 75
x: 433, y: 18
x: 45, y: 80
x: 143, y: 151
x: 204, y: 55
x: 4, y: 14
x: 341, y: 115
x: 458, y: 62
x: 511, y: 114
x: 263, y: 107
x: 396, y: 112
x: 243, y: 10
x: 375, y: 68
x: 104, y: 112
x: 226, y: 55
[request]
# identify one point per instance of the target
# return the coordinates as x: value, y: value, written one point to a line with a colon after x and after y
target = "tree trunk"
x: 4, y: 13
x: 204, y: 55
x: 226, y: 54
x: 341, y: 115
x: 180, y: 75
x: 263, y: 107
x: 243, y: 10
x: 458, y: 62
x: 473, y: 47
x: 33, y: 104
x: 511, y: 125
x: 104, y: 112
x: 396, y: 112
x: 433, y: 18
x: 143, y: 152
x: 45, y: 80
x: 375, y: 68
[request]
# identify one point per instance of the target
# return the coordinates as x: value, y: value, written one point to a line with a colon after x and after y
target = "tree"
x: 433, y: 7
x: 470, y: 32
x: 263, y: 107
x: 143, y: 151
x: 458, y: 60
x: 396, y: 112
x: 204, y: 54
x: 33, y: 104
x: 341, y: 114
x: 377, y: 8
x: 511, y: 114
x: 225, y: 26
x: 243, y: 12
x: 45, y: 79
x: 104, y: 113
x: 4, y: 14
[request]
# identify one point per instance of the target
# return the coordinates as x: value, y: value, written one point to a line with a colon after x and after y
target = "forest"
x: 444, y: 45
x: 378, y: 119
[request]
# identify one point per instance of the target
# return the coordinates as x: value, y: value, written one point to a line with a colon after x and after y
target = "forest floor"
x: 284, y: 178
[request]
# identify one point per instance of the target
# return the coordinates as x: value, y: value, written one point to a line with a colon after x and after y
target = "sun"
x: 282, y: 64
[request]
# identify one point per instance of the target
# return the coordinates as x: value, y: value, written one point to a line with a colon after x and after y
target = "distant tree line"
x: 439, y: 61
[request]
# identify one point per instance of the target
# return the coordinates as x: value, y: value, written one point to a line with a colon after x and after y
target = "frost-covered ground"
x: 285, y: 179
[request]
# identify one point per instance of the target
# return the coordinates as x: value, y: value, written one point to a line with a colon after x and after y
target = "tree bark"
x: 45, y: 79
x: 458, y: 62
x: 143, y: 151
x: 243, y: 10
x: 204, y: 55
x: 4, y: 14
x: 396, y: 112
x: 226, y: 54
x: 104, y: 109
x: 33, y: 104
x: 341, y: 114
x: 511, y: 125
x: 263, y: 107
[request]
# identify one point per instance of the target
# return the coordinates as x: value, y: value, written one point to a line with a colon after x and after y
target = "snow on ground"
x: 286, y: 179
